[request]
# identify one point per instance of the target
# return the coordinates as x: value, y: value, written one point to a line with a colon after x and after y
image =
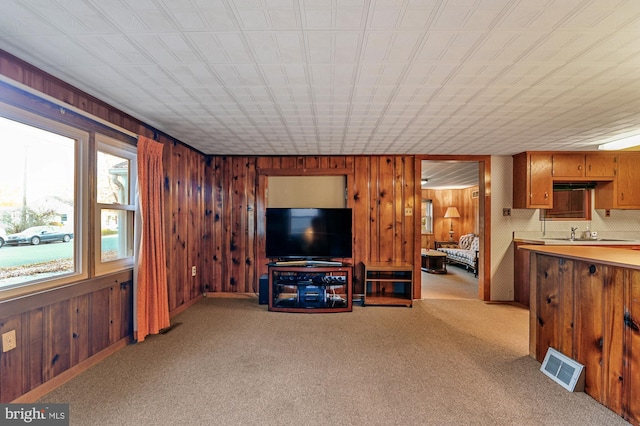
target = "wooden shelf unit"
x: 310, y: 289
x: 388, y: 283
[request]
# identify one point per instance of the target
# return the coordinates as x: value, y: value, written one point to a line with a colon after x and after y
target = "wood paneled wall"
x: 380, y: 188
x: 467, y: 205
x: 233, y: 245
x: 59, y: 332
x: 187, y: 232
x: 383, y: 188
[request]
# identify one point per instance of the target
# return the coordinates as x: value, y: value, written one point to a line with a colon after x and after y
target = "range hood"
x: 573, y: 186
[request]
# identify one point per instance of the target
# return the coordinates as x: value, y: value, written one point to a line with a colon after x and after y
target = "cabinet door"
x: 600, y: 165
x: 628, y: 192
x: 540, y: 182
x: 568, y: 165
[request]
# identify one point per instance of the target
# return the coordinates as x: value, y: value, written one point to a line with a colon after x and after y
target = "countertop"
x: 567, y: 242
x: 558, y: 239
x: 605, y: 255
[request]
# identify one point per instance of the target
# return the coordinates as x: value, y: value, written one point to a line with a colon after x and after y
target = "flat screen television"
x: 308, y: 233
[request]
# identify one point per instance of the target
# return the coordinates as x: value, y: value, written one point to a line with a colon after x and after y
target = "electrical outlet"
x: 9, y: 341
x: 193, y: 271
x: 506, y: 211
x: 408, y: 211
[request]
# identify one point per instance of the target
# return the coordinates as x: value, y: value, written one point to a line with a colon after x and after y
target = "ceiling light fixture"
x: 621, y: 143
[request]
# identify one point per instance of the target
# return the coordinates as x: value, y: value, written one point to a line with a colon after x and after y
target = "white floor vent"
x: 565, y: 371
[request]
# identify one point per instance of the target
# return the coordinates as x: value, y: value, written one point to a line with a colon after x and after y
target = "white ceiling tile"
x: 349, y: 19
x: 284, y: 19
x: 385, y: 18
x: 318, y: 18
x: 414, y: 18
x: 253, y: 19
x: 312, y: 76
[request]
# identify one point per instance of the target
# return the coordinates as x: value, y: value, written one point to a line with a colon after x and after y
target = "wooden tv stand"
x: 388, y: 283
x: 310, y: 289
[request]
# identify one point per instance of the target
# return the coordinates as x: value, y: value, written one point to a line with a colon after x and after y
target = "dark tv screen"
x: 300, y: 233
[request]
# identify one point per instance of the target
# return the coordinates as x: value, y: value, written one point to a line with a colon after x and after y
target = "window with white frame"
x: 45, y: 216
x: 427, y: 216
x: 115, y: 204
x: 42, y: 202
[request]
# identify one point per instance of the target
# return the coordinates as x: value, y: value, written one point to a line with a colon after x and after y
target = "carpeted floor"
x: 457, y: 283
x: 231, y: 362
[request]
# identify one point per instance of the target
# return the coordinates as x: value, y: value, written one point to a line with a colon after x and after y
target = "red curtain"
x: 152, y: 304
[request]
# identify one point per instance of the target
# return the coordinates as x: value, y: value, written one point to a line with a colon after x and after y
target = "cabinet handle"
x: 579, y: 167
x: 546, y: 195
x: 589, y: 167
x: 622, y: 195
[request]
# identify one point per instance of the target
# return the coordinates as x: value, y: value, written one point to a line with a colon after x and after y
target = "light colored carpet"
x: 231, y: 362
x: 457, y: 283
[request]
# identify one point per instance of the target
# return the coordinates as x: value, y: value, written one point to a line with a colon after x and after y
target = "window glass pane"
x: 113, y: 179
x: 37, y: 204
x: 427, y: 216
x: 116, y: 234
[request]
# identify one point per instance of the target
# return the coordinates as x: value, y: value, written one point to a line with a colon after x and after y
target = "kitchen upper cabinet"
x: 628, y: 180
x: 581, y: 165
x: 600, y: 165
x: 617, y: 176
x: 532, y: 181
x: 567, y: 165
x: 624, y: 191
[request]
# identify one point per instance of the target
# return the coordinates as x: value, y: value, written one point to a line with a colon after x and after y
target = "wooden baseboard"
x: 185, y: 306
x: 62, y: 378
x: 214, y: 295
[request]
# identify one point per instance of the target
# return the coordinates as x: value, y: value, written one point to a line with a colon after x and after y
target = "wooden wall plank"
x: 206, y: 273
x: 79, y: 329
x: 554, y: 301
x: 399, y: 198
x: 237, y: 214
x: 589, y: 328
x: 251, y: 278
x: 386, y: 210
x: 312, y: 162
x: 57, y: 325
x: 34, y: 356
x: 632, y: 347
x: 120, y: 311
x: 614, y: 280
x: 288, y: 163
x: 12, y: 368
x: 219, y: 207
x: 99, y: 320
x: 360, y: 202
x: 337, y: 162
x: 229, y: 277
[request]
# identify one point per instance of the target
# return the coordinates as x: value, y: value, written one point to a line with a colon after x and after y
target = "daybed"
x: 464, y: 252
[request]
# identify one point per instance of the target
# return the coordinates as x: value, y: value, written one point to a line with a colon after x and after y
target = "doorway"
x: 461, y: 182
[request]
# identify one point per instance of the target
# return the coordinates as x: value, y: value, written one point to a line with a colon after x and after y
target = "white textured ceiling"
x: 449, y: 174
x: 304, y: 77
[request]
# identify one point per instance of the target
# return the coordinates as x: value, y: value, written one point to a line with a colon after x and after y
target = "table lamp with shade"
x: 452, y: 212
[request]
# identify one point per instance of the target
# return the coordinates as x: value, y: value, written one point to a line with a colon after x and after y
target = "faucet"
x: 573, y: 233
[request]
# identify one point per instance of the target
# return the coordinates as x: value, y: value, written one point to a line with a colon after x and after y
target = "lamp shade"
x: 451, y: 212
